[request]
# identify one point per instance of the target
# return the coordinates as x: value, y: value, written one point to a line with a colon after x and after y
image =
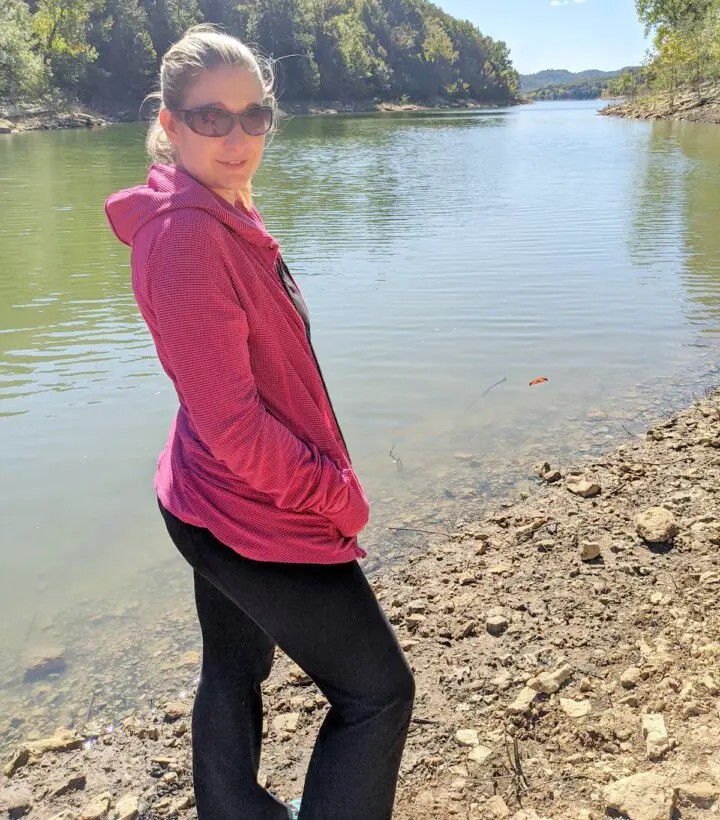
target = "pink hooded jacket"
x: 255, y: 454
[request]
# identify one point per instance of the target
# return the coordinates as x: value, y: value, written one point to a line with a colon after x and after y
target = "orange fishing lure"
x: 541, y: 380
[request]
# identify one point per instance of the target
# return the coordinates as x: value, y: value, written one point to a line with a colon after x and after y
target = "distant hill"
x: 559, y: 76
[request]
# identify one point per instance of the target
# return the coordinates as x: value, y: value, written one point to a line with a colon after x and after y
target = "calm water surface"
x: 440, y: 253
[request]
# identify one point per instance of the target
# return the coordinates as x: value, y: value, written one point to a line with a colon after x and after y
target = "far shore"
x: 18, y: 117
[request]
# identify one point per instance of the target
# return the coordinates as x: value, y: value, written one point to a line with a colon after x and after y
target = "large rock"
x: 631, y: 677
x: 575, y: 708
x: 711, y: 685
x: 522, y: 702
x: 583, y: 487
x: 187, y: 801
x: 656, y: 736
x: 496, y: 625
x: 656, y: 525
x: 6, y: 127
x: 547, y: 473
x: 496, y: 808
x: 479, y: 754
x: 646, y: 796
x: 19, y: 759
x: 98, y: 808
x: 589, y: 550
x: 467, y: 737
x: 297, y: 677
x: 64, y: 740
x: 127, y: 808
x: 287, y: 722
x: 550, y: 682
x: 536, y: 523
x: 703, y: 794
x: 70, y: 783
x: 176, y: 709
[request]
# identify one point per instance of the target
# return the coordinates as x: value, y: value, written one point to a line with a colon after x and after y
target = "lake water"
x: 440, y: 253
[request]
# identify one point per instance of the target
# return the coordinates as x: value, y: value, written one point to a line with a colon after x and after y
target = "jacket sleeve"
x: 203, y: 330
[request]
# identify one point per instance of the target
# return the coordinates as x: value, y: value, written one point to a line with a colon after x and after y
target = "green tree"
x: 656, y: 14
x: 125, y: 69
x: 438, y: 51
x: 22, y: 73
x: 168, y: 19
x: 278, y: 27
x: 61, y: 27
x: 626, y: 85
x: 107, y: 51
x: 686, y: 42
x: 365, y: 74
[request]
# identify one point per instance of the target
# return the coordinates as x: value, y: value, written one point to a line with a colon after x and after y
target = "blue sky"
x: 572, y: 34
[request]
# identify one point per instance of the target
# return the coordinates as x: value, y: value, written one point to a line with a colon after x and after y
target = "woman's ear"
x: 170, y: 125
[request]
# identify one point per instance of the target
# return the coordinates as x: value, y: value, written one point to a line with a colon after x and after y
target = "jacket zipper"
x: 312, y: 350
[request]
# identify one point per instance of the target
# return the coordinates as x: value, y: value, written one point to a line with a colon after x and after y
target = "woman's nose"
x: 237, y: 136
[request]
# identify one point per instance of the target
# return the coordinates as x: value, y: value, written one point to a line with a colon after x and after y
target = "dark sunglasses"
x: 214, y: 122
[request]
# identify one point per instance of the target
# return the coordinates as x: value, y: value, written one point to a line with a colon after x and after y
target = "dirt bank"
x: 702, y: 105
x: 566, y: 649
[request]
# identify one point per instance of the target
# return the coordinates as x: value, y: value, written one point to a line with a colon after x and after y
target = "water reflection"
x: 677, y: 206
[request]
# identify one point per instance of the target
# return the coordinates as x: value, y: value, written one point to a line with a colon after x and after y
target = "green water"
x: 439, y: 253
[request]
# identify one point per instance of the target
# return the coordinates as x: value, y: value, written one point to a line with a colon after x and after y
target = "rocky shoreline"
x: 17, y: 117
x: 566, y: 649
x: 337, y: 107
x: 702, y: 105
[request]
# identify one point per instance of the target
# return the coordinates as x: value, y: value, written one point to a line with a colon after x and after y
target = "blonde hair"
x: 201, y: 48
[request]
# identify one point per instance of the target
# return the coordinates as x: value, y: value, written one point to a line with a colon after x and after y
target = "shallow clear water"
x: 440, y: 253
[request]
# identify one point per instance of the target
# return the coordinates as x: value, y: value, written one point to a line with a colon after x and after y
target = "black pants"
x: 327, y: 619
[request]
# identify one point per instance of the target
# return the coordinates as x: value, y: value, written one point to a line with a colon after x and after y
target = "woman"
x: 255, y: 483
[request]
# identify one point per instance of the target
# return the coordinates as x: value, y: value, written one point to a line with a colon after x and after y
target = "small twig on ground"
x: 425, y: 721
x: 492, y: 387
x: 618, y: 489
x: 90, y: 707
x: 396, y: 459
x: 31, y: 625
x: 672, y: 461
x: 632, y: 435
x: 412, y: 529
x: 515, y: 761
x: 72, y: 719
x: 590, y: 673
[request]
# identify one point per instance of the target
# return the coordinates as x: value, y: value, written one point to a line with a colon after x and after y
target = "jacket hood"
x: 170, y: 188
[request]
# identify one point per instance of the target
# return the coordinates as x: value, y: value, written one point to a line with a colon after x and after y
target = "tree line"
x: 106, y: 52
x: 578, y: 90
x: 685, y: 52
